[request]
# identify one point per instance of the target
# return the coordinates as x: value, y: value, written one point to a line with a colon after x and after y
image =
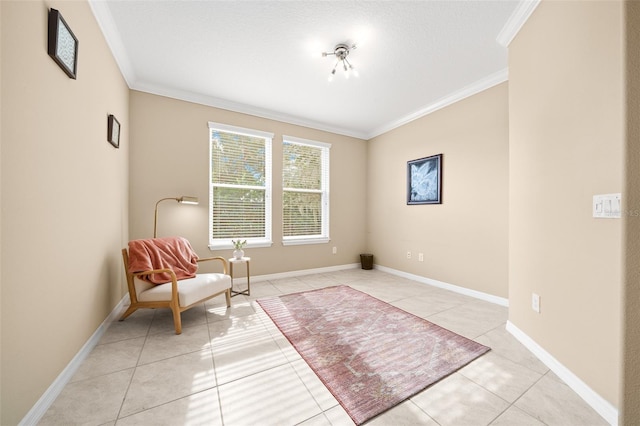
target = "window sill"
x: 302, y: 241
x: 229, y: 246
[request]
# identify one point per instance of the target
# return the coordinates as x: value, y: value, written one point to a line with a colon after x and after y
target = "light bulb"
x: 333, y: 72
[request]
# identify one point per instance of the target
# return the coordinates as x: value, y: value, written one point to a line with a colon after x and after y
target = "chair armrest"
x: 225, y: 265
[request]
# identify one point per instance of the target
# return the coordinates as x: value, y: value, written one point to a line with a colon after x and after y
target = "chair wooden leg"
x: 128, y: 312
x: 177, y: 320
x: 227, y: 295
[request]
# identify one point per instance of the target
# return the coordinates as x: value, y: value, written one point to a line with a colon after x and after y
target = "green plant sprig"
x: 238, y: 244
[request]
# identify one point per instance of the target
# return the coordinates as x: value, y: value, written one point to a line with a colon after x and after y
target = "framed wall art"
x: 113, y: 131
x: 63, y: 44
x: 424, y: 180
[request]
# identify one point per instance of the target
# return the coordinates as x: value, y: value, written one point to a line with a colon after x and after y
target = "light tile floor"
x: 233, y: 367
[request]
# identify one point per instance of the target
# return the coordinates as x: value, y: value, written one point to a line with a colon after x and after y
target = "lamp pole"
x: 181, y: 200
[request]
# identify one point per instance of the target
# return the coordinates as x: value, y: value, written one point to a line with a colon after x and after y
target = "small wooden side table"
x: 246, y: 261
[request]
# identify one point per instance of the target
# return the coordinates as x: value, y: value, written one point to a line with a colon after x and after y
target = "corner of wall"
x: 630, y: 362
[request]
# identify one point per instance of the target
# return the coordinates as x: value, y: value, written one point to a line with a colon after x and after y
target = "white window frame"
x: 266, y: 241
x: 324, y: 237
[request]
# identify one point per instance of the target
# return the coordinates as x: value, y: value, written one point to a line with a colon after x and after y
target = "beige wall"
x: 464, y: 240
x: 527, y: 199
x: 64, y: 198
x: 169, y: 158
x: 566, y: 108
x: 630, y: 380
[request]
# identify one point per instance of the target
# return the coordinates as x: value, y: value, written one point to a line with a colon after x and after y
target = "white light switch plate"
x: 607, y: 206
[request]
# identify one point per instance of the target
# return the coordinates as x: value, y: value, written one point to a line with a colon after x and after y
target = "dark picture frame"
x: 424, y: 180
x: 63, y: 44
x: 113, y: 131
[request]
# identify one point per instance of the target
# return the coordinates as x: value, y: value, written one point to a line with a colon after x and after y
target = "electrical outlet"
x: 408, y: 255
x: 335, y: 250
x: 535, y: 302
x: 420, y: 257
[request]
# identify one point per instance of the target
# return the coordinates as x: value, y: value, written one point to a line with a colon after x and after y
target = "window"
x: 305, y: 197
x: 240, y: 186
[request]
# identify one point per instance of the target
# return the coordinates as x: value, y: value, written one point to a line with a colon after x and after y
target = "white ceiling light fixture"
x: 341, y: 51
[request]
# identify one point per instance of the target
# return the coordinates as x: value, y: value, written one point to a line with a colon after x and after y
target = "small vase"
x: 238, y: 253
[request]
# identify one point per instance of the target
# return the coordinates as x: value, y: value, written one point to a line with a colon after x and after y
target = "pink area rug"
x: 368, y: 353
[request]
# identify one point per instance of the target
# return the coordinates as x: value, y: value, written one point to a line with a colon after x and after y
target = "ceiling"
x: 264, y: 57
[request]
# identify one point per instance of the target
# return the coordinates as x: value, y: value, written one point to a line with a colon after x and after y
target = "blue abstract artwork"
x: 424, y: 180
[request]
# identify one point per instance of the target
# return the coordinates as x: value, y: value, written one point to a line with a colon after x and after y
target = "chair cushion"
x: 190, y: 290
x: 141, y: 286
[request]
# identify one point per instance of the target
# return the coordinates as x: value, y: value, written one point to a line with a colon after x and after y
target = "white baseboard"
x: 457, y: 289
x: 302, y: 272
x: 49, y: 396
x: 598, y: 403
x: 40, y: 408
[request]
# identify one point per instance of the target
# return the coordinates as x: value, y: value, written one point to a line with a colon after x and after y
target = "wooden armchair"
x: 178, y: 295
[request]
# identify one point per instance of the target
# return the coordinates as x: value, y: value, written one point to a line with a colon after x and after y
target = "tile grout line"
x: 215, y: 370
x: 523, y: 393
x: 135, y: 368
x: 288, y: 360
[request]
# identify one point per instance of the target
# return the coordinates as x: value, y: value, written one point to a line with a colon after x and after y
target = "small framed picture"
x: 424, y: 180
x: 113, y: 131
x: 63, y: 44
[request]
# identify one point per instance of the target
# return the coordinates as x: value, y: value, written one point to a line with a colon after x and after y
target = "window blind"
x: 305, y: 198
x: 240, y: 185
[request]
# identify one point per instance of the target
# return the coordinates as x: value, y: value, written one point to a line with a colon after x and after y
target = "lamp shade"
x: 188, y: 200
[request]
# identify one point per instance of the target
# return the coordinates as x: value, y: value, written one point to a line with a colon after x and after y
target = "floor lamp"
x: 181, y: 200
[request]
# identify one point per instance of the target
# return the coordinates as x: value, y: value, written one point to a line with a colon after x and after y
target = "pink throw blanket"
x: 173, y: 253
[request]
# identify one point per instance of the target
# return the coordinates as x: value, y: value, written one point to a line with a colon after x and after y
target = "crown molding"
x: 516, y: 21
x: 109, y: 29
x: 106, y: 23
x: 244, y: 109
x: 470, y: 90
